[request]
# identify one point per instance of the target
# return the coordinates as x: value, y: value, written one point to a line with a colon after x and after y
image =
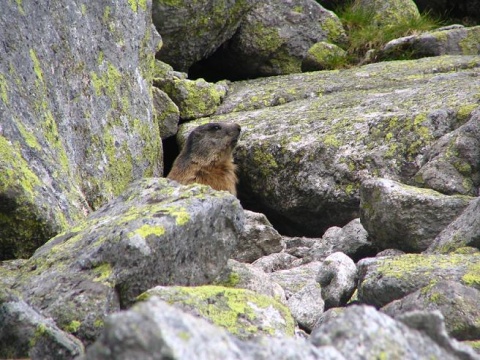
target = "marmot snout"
x: 207, y: 157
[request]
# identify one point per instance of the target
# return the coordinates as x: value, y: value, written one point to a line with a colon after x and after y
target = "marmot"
x: 207, y: 157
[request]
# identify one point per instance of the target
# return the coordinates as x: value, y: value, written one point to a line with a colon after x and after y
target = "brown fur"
x: 207, y: 157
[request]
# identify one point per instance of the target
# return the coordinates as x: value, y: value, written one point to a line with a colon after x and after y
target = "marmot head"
x: 212, y: 142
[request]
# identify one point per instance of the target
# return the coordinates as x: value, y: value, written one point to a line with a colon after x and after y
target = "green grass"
x: 364, y: 34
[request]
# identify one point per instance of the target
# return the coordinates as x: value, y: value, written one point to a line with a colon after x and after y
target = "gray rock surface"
x: 277, y: 261
x: 76, y: 121
x: 380, y: 336
x: 464, y: 231
x: 258, y: 239
x: 452, y: 165
x: 274, y: 37
x: 307, y: 305
x: 405, y: 217
x: 246, y: 276
x: 309, y: 140
x: 390, y: 12
x: 166, y: 113
x: 192, y: 31
x: 26, y: 333
x: 384, y: 279
x: 244, y: 313
x: 164, y: 332
x: 458, y: 304
x: 337, y: 277
x: 443, y: 41
x: 294, y: 279
x: 156, y: 232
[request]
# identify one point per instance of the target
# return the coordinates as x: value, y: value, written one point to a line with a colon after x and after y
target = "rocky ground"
x: 356, y: 231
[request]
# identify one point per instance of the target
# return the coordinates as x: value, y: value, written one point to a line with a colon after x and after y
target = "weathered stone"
x: 242, y: 312
x: 464, y: 231
x: 194, y: 98
x: 75, y: 113
x: 274, y: 37
x: 444, y: 41
x: 323, y: 56
x: 274, y: 262
x: 166, y: 113
x: 459, y: 305
x: 156, y: 232
x: 26, y: 333
x: 361, y: 332
x: 295, y: 279
x: 452, y: 165
x: 192, y: 31
x: 258, y: 239
x: 155, y: 330
x: 307, y: 305
x: 352, y: 240
x: 337, y: 276
x: 246, y: 276
x: 384, y: 279
x: 405, y: 217
x: 309, y: 140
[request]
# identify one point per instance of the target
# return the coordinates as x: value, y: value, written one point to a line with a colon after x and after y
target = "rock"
x: 361, y: 332
x: 328, y: 315
x: 274, y: 262
x: 274, y: 37
x: 443, y: 41
x: 258, y: 239
x: 337, y: 276
x: 405, y: 217
x: 452, y: 165
x: 76, y: 120
x: 242, y: 312
x: 193, y: 31
x: 352, y: 240
x: 384, y: 279
x: 26, y: 333
x: 163, y: 331
x: 166, y: 113
x: 432, y: 324
x: 307, y: 305
x: 194, y: 98
x: 464, y: 231
x: 323, y: 56
x: 458, y: 304
x: 246, y: 276
x: 300, y: 247
x: 295, y: 279
x: 309, y: 140
x: 156, y: 232
x: 388, y: 13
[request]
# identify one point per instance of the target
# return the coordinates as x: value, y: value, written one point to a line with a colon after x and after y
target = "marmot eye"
x: 216, y: 127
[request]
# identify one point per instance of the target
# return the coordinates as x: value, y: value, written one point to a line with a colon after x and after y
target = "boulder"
x: 242, y: 312
x: 246, y: 276
x: 258, y: 239
x: 155, y: 330
x: 337, y: 277
x: 458, y: 304
x: 309, y: 140
x: 323, y: 56
x: 192, y: 31
x: 384, y: 279
x: 451, y: 40
x: 166, y: 113
x: 307, y: 305
x: 26, y: 333
x: 464, y: 231
x: 76, y: 114
x: 277, y: 261
x: 156, y: 233
x: 361, y: 332
x: 390, y: 12
x: 406, y: 217
x: 295, y: 279
x: 452, y: 165
x: 273, y: 38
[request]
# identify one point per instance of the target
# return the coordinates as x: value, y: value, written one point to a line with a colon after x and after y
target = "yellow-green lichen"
x: 73, y: 326
x: 472, y: 277
x: 3, y: 89
x: 39, y: 333
x: 103, y: 273
x: 464, y: 112
x: 135, y: 4
x: 147, y: 230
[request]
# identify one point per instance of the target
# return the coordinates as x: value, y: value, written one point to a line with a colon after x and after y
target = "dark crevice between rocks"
x: 170, y: 153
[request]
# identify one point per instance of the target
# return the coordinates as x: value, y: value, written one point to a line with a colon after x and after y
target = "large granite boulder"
x: 76, y: 122
x: 156, y: 233
x: 309, y: 140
